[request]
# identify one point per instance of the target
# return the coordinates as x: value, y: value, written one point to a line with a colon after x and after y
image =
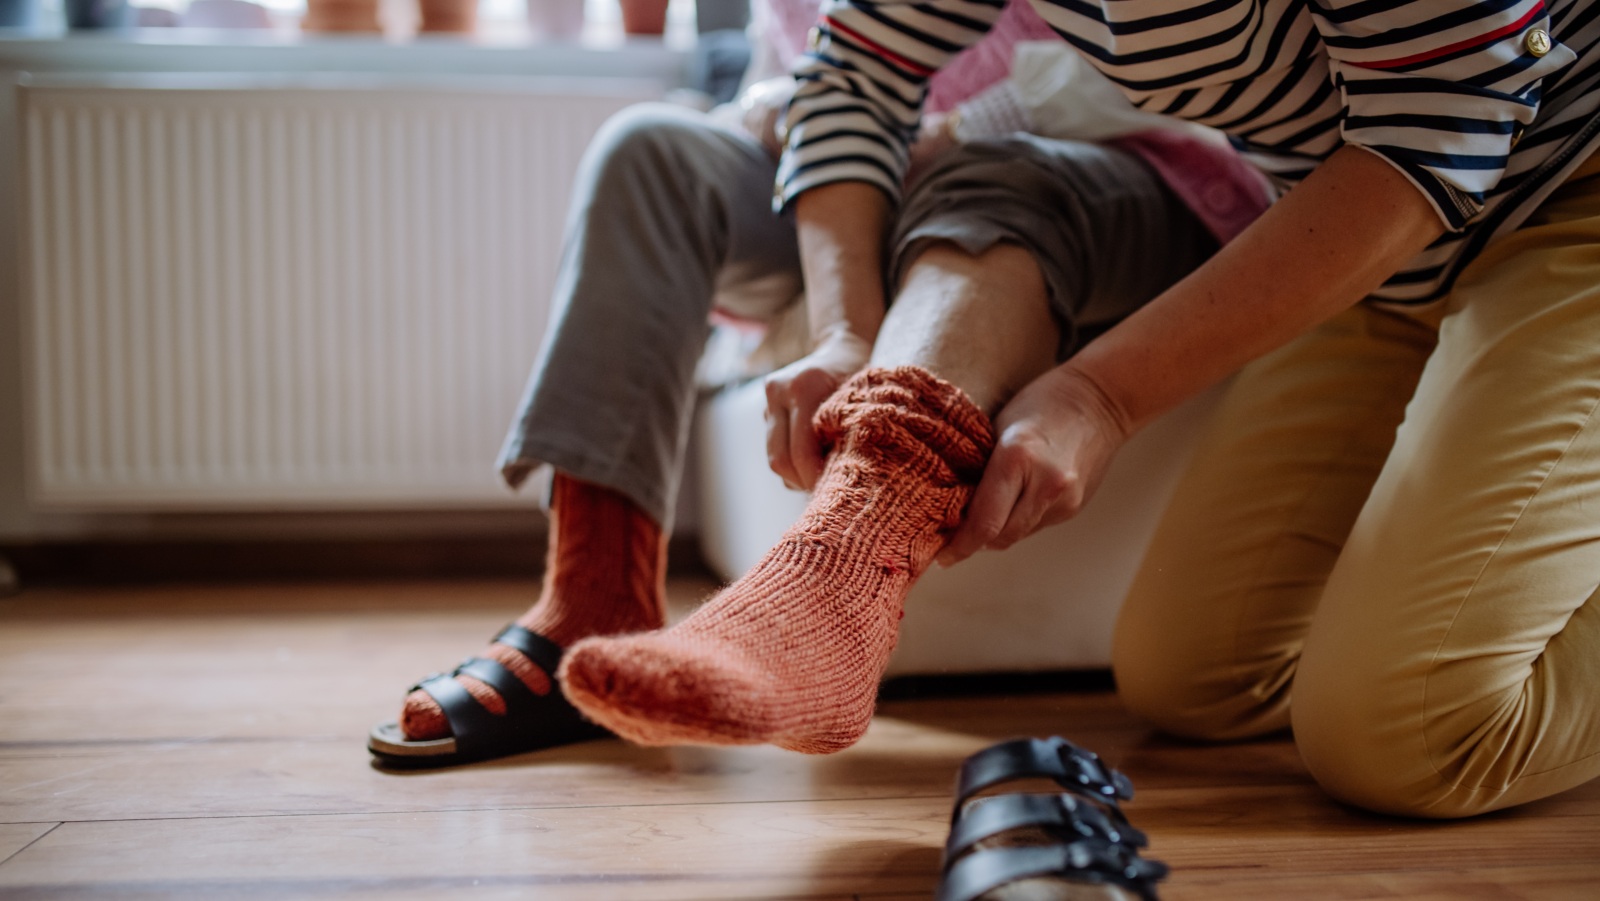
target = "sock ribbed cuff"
x: 891, y: 413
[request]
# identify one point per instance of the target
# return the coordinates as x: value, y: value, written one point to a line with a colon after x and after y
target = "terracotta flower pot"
x: 448, y: 16
x: 341, y: 16
x: 644, y: 16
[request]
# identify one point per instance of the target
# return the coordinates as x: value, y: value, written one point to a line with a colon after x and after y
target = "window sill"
x: 599, y: 52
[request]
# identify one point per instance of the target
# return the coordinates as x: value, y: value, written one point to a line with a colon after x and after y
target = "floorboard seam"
x: 418, y: 811
x: 29, y: 844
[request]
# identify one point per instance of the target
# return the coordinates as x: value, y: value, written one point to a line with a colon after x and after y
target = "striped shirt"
x: 1485, y: 106
x: 784, y: 27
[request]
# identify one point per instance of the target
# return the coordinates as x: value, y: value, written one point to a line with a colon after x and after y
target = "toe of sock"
x: 421, y: 719
x: 657, y: 692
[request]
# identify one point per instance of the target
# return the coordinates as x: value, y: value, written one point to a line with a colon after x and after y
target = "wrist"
x: 842, y: 338
x: 1084, y: 392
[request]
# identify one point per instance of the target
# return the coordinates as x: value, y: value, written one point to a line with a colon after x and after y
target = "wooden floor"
x: 198, y: 742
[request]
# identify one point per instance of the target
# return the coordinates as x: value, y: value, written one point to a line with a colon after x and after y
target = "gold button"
x: 1538, y: 42
x: 814, y: 39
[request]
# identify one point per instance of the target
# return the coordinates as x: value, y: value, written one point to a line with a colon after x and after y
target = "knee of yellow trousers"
x: 1188, y: 693
x: 1361, y: 754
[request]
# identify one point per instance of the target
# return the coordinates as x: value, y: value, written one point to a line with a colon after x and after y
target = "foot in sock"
x: 603, y: 576
x: 792, y: 652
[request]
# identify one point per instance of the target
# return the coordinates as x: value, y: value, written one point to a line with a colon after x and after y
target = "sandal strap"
x: 1087, y: 860
x: 472, y: 725
x: 1066, y: 817
x: 531, y: 720
x: 1073, y: 768
x: 476, y: 730
x: 544, y: 653
x: 469, y: 721
x: 518, y: 698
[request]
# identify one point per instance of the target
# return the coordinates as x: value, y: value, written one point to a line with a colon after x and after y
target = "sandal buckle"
x: 1092, y: 773
x: 1104, y: 822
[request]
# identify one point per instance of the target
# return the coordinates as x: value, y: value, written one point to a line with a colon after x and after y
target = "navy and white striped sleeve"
x: 1441, y: 89
x: 861, y: 86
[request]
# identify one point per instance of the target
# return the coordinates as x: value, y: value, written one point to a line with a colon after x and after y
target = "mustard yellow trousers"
x: 1390, y: 541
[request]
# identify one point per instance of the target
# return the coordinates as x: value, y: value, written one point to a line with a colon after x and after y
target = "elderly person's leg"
x: 1453, y: 666
x: 1006, y: 256
x: 668, y: 208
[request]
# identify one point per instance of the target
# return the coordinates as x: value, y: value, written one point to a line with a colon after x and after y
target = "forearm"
x: 1321, y: 249
x: 840, y: 227
x: 841, y: 231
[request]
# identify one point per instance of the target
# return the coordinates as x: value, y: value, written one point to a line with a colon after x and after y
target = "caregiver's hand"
x: 793, y: 395
x: 1057, y: 436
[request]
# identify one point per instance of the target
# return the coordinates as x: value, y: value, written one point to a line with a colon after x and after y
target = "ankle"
x: 567, y: 622
x: 605, y: 570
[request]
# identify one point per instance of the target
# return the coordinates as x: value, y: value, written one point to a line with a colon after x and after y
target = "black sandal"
x: 531, y: 721
x: 1033, y: 841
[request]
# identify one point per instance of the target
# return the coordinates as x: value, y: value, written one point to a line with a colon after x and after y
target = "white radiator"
x: 288, y: 294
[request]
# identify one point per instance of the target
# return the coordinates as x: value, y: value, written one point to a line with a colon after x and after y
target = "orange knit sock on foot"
x: 604, y: 576
x: 792, y: 652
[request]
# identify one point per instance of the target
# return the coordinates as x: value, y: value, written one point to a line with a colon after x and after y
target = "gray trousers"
x: 671, y: 216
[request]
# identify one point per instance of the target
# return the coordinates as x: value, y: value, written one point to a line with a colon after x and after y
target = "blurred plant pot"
x: 448, y: 16
x: 97, y: 14
x: 341, y: 16
x: 644, y: 16
x: 555, y: 19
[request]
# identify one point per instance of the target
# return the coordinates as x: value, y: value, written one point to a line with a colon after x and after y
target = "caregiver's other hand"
x: 1057, y: 437
x: 793, y: 395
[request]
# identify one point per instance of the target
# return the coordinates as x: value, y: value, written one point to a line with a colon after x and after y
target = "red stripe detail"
x: 1469, y: 43
x: 893, y: 57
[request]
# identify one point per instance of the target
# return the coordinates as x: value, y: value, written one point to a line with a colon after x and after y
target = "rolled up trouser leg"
x: 1107, y: 234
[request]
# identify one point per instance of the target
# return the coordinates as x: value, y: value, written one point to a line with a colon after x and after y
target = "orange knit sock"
x: 604, y: 576
x: 792, y: 652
